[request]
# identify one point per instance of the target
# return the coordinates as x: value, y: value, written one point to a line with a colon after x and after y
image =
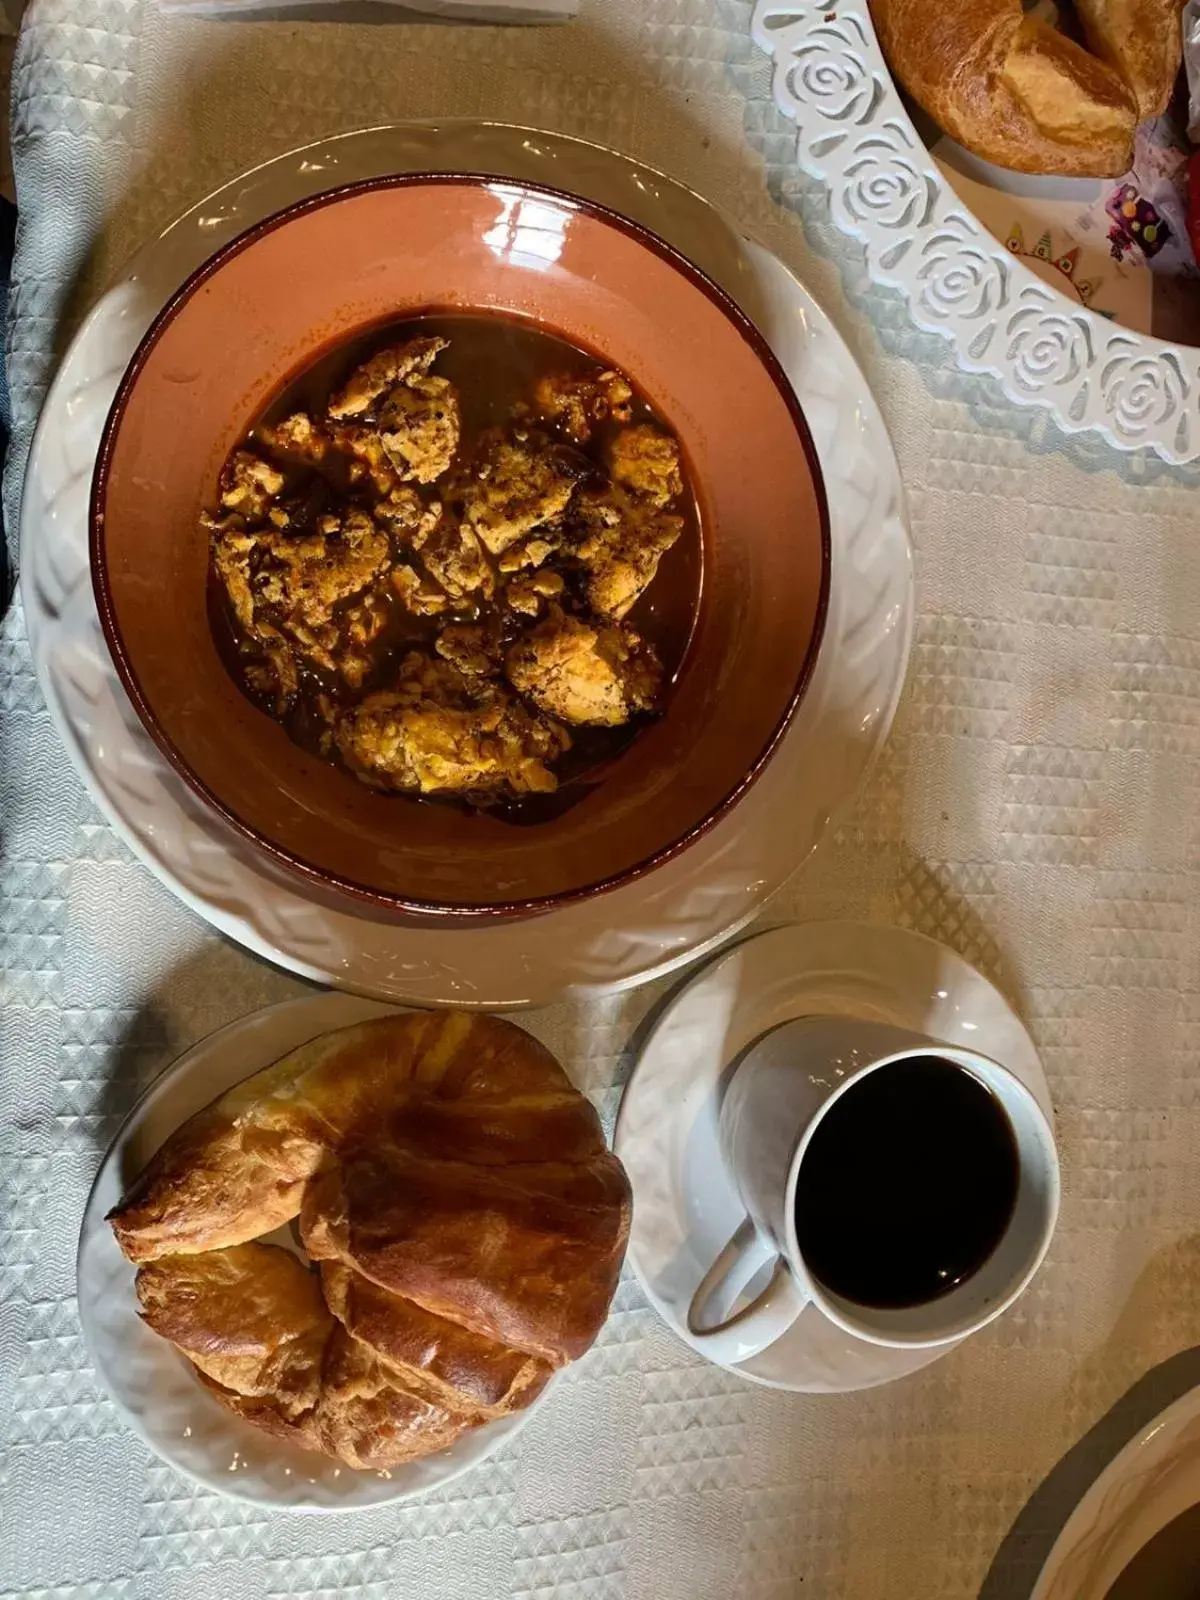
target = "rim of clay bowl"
x: 445, y: 909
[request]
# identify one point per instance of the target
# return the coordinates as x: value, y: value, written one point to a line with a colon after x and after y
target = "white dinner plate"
x: 151, y: 1384
x: 1022, y: 320
x: 1153, y: 1480
x: 612, y: 941
x: 685, y: 1203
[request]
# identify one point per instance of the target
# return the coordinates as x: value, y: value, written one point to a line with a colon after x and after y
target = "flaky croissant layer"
x: 1018, y: 92
x: 455, y: 1188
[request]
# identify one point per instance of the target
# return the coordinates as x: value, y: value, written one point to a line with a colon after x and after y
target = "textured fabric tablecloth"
x: 1036, y: 809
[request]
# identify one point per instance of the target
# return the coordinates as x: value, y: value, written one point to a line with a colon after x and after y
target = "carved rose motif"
x: 828, y: 73
x: 1046, y: 348
x: 1140, y: 392
x: 883, y: 188
x: 960, y: 281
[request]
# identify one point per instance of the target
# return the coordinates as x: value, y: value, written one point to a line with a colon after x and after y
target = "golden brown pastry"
x: 370, y: 1416
x: 1010, y: 87
x: 464, y: 1370
x: 253, y: 1321
x: 239, y: 1167
x: 1140, y: 39
x: 469, y: 1220
x: 527, y: 1253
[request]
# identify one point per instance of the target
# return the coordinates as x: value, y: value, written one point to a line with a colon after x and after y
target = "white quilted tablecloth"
x: 1036, y: 809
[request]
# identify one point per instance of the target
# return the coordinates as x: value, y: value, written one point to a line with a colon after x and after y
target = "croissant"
x: 1142, y: 40
x: 468, y: 1220
x: 1017, y: 92
x: 253, y: 1322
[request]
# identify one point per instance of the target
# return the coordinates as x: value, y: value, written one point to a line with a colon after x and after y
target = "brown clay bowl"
x: 333, y: 267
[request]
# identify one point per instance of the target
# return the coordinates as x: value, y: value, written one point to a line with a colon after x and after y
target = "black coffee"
x: 907, y: 1186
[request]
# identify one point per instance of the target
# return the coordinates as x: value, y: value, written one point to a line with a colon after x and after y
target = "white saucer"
x: 616, y: 940
x: 1153, y: 1480
x: 685, y: 1204
x: 151, y: 1385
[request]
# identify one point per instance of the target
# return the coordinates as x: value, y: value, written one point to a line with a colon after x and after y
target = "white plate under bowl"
x: 885, y: 189
x: 1153, y: 1480
x: 614, y: 940
x: 150, y: 1383
x: 685, y: 1203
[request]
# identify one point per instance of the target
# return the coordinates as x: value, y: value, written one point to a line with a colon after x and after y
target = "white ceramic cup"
x: 779, y: 1092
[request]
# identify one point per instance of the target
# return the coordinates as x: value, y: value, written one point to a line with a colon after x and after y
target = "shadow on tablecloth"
x: 8, y: 234
x: 1028, y: 1543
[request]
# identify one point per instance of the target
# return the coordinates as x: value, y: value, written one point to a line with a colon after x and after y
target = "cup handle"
x: 770, y: 1314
